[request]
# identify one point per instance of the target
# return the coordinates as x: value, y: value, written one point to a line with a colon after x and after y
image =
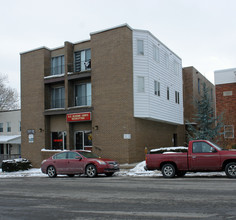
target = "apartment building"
x: 115, y: 94
x: 225, y: 81
x: 10, y: 134
x: 193, y: 89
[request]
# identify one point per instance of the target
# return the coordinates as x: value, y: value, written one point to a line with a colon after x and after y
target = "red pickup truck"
x: 201, y: 156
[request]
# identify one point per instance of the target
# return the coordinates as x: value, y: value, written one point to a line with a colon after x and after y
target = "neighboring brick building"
x: 193, y: 81
x: 116, y: 93
x: 225, y: 81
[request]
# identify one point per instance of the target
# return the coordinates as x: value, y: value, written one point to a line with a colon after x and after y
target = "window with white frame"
x: 8, y: 126
x: 228, y: 131
x: 157, y: 88
x: 82, y: 60
x: 156, y: 53
x: 167, y: 62
x: 83, y: 95
x: 176, y: 67
x: 140, y: 47
x: 141, y: 84
x: 58, y: 65
x: 58, y: 97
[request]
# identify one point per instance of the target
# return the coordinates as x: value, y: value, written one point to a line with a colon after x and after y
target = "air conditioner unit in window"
x: 87, y: 64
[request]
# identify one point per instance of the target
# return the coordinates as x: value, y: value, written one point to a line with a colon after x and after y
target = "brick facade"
x: 191, y: 77
x: 111, y: 77
x: 226, y: 104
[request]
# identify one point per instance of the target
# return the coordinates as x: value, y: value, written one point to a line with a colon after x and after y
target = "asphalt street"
x: 117, y: 198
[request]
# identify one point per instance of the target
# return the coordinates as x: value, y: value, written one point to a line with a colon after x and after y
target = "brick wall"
x: 226, y: 104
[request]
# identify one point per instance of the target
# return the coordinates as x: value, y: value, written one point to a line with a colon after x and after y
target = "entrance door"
x: 79, y: 140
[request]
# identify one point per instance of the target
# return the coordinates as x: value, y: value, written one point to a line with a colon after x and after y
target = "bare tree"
x: 8, y: 96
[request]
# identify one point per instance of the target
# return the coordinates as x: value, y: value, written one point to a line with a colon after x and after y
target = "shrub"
x: 234, y: 146
x: 15, y: 165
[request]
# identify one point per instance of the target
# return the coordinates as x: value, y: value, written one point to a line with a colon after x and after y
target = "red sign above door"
x: 85, y: 116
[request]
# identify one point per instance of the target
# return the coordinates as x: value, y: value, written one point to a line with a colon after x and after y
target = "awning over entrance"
x: 10, y: 139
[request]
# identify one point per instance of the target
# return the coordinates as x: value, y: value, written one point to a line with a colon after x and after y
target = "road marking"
x: 150, y: 214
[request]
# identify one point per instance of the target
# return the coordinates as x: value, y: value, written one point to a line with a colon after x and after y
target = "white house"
x: 10, y: 134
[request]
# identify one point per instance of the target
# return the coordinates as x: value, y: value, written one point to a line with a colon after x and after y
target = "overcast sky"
x: 201, y: 32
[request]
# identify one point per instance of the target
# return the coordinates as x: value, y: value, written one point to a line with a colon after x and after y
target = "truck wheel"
x: 230, y: 170
x: 168, y: 170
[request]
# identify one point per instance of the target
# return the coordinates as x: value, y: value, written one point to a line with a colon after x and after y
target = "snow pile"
x: 33, y: 172
x: 169, y: 149
x: 138, y: 170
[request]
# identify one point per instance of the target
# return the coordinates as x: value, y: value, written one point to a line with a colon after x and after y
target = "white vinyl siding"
x: 149, y: 104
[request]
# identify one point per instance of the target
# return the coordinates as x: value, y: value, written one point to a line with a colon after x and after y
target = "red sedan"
x: 78, y: 162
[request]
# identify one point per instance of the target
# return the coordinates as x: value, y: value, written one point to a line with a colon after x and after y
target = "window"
x: 176, y: 67
x: 58, y: 140
x: 211, y: 94
x: 8, y: 126
x: 73, y: 155
x: 166, y: 60
x: 140, y: 47
x: 202, y: 147
x: 88, y: 138
x: 156, y: 53
x: 57, y: 65
x: 83, y: 94
x: 140, y: 84
x: 228, y: 131
x: 176, y: 97
x: 198, y: 86
x: 60, y: 156
x: 82, y: 60
x: 58, y: 97
x: 168, y: 93
x: 83, y: 139
x: 1, y: 127
x: 157, y: 88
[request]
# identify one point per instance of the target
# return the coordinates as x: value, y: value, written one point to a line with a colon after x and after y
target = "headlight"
x: 101, y: 162
x: 43, y: 162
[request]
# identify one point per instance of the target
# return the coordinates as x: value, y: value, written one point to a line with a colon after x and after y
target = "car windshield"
x: 216, y: 146
x: 88, y: 154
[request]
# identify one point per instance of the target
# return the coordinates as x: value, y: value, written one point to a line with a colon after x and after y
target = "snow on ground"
x: 138, y: 170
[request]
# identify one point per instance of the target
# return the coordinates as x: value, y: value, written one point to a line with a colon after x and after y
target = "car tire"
x: 180, y: 173
x: 230, y: 170
x: 91, y: 170
x: 70, y: 175
x: 51, y: 171
x: 168, y: 170
x: 109, y: 174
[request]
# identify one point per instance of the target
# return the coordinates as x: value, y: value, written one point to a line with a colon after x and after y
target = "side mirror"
x: 213, y: 150
x: 78, y: 158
